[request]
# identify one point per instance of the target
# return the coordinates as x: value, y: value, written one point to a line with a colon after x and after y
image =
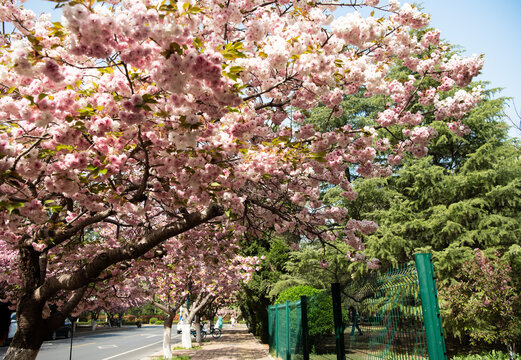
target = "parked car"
x: 179, y: 327
x: 63, y: 331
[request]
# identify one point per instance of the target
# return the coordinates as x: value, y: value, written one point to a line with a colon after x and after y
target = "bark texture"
x: 167, y: 347
x: 15, y: 353
x: 186, y: 338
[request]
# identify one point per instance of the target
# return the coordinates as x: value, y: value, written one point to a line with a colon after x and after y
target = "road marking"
x: 127, y: 352
x: 102, y: 347
x: 76, y: 346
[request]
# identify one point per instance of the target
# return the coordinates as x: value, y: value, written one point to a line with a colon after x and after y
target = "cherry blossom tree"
x: 161, y: 116
x: 196, y: 271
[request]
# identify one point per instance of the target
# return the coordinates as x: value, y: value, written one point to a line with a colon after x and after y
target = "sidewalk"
x: 234, y: 344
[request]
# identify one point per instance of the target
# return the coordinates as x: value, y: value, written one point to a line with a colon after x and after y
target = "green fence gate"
x: 287, y: 324
x: 386, y: 315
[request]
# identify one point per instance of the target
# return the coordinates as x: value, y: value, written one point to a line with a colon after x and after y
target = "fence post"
x: 305, y: 329
x: 431, y: 311
x: 339, y: 323
x: 277, y: 329
x: 270, y: 329
x: 288, y: 333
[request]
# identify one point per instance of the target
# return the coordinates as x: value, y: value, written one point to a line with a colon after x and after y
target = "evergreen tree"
x: 449, y: 214
x: 254, y: 297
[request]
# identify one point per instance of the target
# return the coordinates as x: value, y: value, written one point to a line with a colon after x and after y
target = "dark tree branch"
x: 100, y: 262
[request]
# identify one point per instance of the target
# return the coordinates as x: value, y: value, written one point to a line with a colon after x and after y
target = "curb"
x: 263, y: 347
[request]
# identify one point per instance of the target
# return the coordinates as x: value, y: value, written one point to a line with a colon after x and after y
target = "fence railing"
x: 389, y: 315
x: 286, y: 330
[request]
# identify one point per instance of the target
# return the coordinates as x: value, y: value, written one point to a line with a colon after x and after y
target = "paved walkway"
x: 234, y: 344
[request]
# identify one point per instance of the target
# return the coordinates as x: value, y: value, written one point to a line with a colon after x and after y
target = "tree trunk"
x: 186, y: 338
x: 198, y: 335
x: 31, y: 331
x: 21, y: 354
x: 26, y: 344
x: 167, y: 332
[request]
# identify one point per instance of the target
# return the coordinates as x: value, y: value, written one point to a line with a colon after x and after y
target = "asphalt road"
x: 121, y: 344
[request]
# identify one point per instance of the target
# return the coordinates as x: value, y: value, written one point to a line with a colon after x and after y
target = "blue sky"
x: 484, y: 27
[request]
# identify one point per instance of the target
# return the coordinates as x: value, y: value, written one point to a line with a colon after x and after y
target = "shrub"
x: 483, y: 302
x: 320, y: 314
x: 320, y: 307
x: 153, y: 320
x: 129, y: 318
x: 295, y: 292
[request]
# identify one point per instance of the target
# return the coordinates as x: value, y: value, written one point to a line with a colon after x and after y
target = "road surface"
x: 120, y: 344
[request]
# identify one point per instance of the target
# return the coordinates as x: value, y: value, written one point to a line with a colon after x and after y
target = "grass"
x: 182, y: 348
x: 493, y: 355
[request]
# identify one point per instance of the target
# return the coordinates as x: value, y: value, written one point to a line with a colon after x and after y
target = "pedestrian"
x: 232, y: 321
x: 353, y: 314
x: 220, y: 322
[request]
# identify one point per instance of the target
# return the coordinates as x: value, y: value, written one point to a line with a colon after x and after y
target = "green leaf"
x: 197, y: 43
x: 30, y: 98
x: 235, y: 69
x: 60, y: 147
x: 232, y: 51
x: 11, y: 206
x: 175, y: 47
x: 55, y: 208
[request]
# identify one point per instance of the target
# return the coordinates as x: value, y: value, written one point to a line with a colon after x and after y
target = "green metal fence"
x: 387, y: 315
x: 385, y: 318
x: 286, y: 330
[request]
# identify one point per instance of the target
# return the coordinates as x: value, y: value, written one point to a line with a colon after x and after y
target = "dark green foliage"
x: 427, y: 208
x: 305, y: 265
x: 483, y: 303
x: 254, y: 298
x: 320, y: 308
x: 320, y: 314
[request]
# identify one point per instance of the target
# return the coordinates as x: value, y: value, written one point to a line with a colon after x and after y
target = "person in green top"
x: 353, y: 314
x: 220, y: 322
